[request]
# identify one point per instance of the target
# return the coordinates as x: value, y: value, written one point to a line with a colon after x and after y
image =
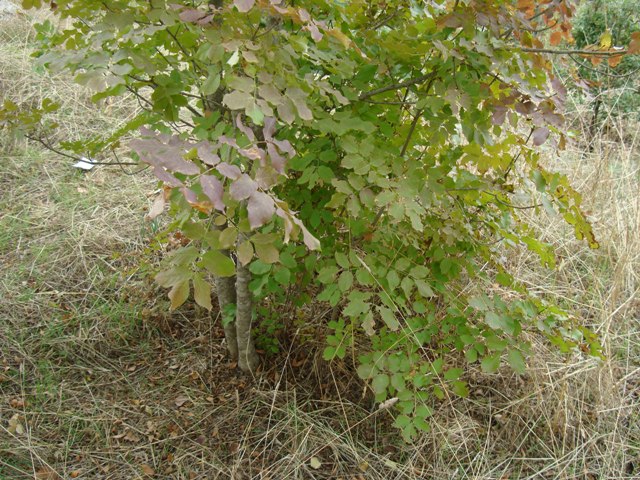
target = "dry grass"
x: 105, y: 384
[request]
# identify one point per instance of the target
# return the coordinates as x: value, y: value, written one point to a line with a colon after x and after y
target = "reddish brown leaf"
x: 555, y: 38
x: 614, y: 61
x: 634, y: 45
x: 147, y: 470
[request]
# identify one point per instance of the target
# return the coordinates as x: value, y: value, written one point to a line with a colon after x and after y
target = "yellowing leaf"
x: 202, y: 292
x: 179, y: 294
x: 267, y: 252
x: 606, y: 39
x: 245, y: 252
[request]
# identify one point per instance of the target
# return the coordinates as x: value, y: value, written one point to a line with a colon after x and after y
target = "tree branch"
x: 596, y: 53
x: 396, y: 86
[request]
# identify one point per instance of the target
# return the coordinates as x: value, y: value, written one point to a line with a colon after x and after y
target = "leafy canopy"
x: 376, y: 156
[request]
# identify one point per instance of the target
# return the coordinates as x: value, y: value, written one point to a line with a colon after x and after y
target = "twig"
x: 74, y: 157
x: 396, y: 86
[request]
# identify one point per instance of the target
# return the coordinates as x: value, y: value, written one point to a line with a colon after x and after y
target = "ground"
x: 98, y: 380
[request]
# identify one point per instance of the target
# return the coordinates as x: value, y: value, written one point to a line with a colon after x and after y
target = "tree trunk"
x: 247, y: 357
x: 226, y: 290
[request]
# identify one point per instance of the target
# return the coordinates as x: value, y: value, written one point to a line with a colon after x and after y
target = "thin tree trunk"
x: 226, y: 289
x: 247, y: 357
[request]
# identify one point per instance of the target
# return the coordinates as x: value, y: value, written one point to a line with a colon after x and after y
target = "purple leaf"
x: 277, y: 160
x: 205, y: 154
x: 223, y: 139
x: 269, y: 128
x: 315, y: 32
x: 540, y: 136
x: 254, y: 153
x: 229, y: 171
x: 244, y: 5
x: 298, y: 97
x: 243, y: 187
x: 260, y: 209
x: 167, y: 177
x: 499, y: 114
x: 285, y: 146
x: 155, y: 153
x: 212, y: 188
x: 191, y: 15
x: 189, y: 194
x: 244, y: 129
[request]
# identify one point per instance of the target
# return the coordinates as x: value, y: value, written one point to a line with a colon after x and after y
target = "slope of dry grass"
x: 98, y: 381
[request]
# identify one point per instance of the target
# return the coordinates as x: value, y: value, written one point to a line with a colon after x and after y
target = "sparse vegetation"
x: 99, y: 380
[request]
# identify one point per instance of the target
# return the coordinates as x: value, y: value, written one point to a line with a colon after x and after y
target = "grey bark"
x: 235, y: 289
x: 247, y: 357
x: 226, y: 290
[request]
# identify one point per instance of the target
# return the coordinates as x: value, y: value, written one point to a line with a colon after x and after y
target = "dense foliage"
x: 375, y: 156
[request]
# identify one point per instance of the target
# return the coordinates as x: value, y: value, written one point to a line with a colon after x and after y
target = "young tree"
x: 373, y: 155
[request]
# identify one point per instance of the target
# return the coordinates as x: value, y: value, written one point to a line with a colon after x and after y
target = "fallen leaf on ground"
x: 315, y: 463
x: 147, y: 470
x: 181, y: 400
x: 47, y: 473
x: 15, y: 427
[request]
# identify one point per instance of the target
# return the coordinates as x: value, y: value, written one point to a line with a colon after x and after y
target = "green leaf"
x: 329, y: 353
x: 516, y: 360
x: 389, y: 318
x: 345, y: 281
x: 424, y: 288
x: 283, y: 276
x: 258, y: 267
x: 342, y: 260
x: 327, y: 274
x: 211, y: 85
x: 491, y: 363
x: 402, y: 421
x: 452, y: 374
x: 380, y: 383
x: 497, y: 322
x: 218, y: 264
